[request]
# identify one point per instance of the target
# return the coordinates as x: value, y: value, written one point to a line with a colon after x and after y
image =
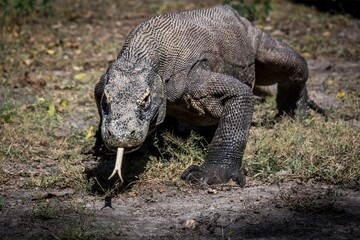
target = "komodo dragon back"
x: 200, y: 67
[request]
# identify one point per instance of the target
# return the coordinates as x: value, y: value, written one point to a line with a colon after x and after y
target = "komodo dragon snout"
x: 130, y: 105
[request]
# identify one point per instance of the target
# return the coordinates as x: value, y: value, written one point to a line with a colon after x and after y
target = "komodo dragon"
x: 199, y: 67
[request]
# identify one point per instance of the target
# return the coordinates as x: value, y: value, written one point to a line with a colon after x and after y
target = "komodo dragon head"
x: 132, y: 104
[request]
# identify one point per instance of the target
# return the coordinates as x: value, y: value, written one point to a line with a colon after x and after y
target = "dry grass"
x: 292, y: 149
x: 314, y: 149
x: 35, y: 148
x: 176, y: 154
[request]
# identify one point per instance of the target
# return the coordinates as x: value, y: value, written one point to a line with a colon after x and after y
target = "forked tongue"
x: 118, y: 162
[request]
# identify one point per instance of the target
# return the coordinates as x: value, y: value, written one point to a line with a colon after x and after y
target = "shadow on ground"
x: 334, y: 7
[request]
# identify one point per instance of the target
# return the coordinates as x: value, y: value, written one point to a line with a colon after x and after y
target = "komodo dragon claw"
x: 199, y: 175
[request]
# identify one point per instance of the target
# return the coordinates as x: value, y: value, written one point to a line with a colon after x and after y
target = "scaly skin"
x: 199, y: 67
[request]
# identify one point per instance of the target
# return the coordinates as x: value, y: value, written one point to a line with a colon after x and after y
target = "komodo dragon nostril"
x: 132, y: 133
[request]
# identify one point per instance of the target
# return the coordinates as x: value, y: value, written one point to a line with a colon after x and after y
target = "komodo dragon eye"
x: 104, y: 102
x: 144, y: 99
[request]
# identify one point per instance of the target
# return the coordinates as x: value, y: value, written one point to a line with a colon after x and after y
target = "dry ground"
x: 53, y: 188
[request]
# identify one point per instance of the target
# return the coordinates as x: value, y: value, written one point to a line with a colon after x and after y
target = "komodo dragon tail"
x: 313, y: 106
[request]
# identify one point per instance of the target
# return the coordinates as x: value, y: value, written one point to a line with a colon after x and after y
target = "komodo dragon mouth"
x: 120, y: 153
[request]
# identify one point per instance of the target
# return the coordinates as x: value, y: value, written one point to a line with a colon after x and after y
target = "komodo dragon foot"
x: 212, y: 174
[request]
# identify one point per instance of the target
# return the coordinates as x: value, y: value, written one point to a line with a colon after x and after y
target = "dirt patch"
x: 286, y: 211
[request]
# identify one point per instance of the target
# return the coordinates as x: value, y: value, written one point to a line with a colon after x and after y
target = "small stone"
x: 191, y: 224
x: 132, y: 194
x: 161, y: 189
x: 211, y: 191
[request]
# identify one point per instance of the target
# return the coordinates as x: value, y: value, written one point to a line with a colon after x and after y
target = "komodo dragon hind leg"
x: 277, y: 62
x: 287, y: 104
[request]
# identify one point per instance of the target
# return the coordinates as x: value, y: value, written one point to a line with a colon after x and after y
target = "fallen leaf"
x: 268, y: 28
x: 28, y: 61
x: 326, y: 34
x: 307, y: 55
x: 161, y: 189
x: 63, y: 104
x: 260, y: 26
x: 341, y: 94
x: 40, y: 99
x: 132, y: 194
x: 330, y: 82
x: 77, y: 68
x: 89, y: 132
x: 52, y: 110
x: 50, y: 51
x: 80, y: 76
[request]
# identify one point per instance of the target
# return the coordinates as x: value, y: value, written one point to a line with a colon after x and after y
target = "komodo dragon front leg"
x: 231, y: 101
